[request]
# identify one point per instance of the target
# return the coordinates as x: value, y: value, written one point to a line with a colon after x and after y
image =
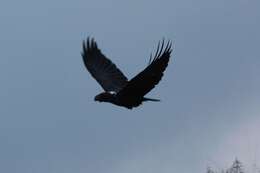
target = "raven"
x: 118, y: 89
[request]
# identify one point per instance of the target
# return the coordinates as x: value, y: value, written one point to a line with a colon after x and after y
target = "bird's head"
x: 105, y: 97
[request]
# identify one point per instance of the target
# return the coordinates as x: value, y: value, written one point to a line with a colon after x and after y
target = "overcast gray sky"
x: 209, y: 113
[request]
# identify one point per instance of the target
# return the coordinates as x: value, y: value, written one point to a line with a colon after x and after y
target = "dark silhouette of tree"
x: 236, y: 167
x: 209, y: 170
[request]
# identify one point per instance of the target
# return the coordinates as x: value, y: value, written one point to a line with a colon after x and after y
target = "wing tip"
x: 89, y: 45
x: 162, y: 49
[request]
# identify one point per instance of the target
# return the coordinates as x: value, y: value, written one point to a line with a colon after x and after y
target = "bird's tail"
x: 149, y: 99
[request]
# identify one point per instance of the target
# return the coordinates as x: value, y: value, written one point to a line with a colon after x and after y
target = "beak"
x: 96, y: 98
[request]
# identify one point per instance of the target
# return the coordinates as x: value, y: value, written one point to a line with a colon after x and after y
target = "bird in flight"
x: 118, y: 89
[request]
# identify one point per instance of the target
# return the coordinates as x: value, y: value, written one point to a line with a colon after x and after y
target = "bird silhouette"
x: 118, y: 89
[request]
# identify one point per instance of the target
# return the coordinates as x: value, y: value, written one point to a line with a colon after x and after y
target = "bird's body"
x: 128, y: 102
x: 118, y: 90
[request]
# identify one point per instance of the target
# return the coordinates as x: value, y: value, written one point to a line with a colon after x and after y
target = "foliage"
x: 237, y: 167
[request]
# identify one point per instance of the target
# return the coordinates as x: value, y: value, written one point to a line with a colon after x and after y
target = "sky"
x: 209, y: 109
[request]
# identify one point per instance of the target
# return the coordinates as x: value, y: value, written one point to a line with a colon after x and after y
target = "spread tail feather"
x: 149, y: 99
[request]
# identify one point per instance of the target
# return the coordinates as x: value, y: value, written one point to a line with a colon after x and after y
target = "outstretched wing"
x: 146, y: 80
x: 101, y: 68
